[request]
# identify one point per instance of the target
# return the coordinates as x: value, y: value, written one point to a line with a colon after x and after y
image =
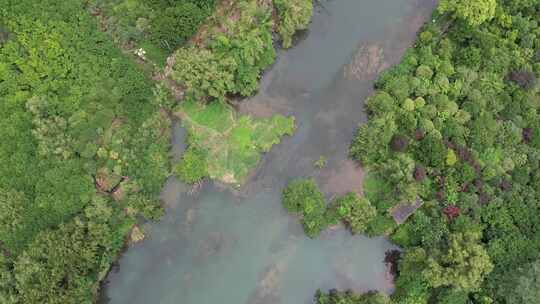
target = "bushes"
x: 83, y: 138
x: 293, y: 15
x: 522, y: 286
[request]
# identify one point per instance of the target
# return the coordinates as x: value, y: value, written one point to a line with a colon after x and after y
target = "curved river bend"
x: 220, y: 247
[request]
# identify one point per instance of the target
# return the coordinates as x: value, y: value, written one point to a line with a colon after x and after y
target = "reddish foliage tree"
x: 451, y: 211
x: 527, y: 134
x: 479, y: 184
x: 419, y: 173
x: 399, y: 143
x: 523, y: 78
x: 464, y: 154
x: 440, y: 195
x: 419, y: 134
x: 505, y: 185
x: 450, y: 144
x: 391, y: 258
x: 483, y: 198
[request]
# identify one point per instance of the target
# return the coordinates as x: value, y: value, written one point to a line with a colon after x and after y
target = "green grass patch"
x: 233, y: 144
x: 216, y: 115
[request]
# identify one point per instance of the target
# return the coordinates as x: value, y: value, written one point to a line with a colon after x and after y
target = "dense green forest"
x: 84, y: 151
x: 456, y: 126
x: 86, y: 132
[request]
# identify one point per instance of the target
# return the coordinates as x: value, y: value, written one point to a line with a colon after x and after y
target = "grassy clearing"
x: 232, y: 143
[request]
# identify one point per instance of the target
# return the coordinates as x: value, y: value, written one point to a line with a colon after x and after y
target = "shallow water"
x: 220, y: 247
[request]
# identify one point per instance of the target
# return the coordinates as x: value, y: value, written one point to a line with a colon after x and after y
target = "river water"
x: 216, y: 246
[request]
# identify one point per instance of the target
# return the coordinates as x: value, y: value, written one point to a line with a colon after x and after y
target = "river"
x: 216, y: 246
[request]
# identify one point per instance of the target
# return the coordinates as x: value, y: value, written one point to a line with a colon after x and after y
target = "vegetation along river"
x: 216, y: 246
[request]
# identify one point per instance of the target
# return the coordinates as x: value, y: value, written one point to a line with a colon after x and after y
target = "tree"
x: 399, y: 143
x: 58, y: 265
x: 525, y: 79
x: 474, y: 12
x: 412, y: 288
x: 462, y: 265
x: 303, y: 197
x: 524, y: 286
x: 203, y: 73
x: 452, y: 296
x: 8, y: 293
x: 4, y: 35
x: 174, y: 25
x: 356, y: 211
x: 14, y: 206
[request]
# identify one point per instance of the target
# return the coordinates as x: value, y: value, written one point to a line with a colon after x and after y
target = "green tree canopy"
x: 463, y: 264
x: 524, y: 287
x: 474, y: 12
x: 356, y: 211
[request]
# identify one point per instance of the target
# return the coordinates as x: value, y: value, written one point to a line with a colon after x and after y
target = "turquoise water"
x: 216, y: 246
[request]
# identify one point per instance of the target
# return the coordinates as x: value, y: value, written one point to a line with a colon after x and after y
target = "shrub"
x: 474, y: 12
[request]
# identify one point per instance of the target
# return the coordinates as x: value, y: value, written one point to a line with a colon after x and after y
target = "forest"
x: 454, y: 126
x: 453, y: 136
x: 86, y: 126
x: 84, y: 151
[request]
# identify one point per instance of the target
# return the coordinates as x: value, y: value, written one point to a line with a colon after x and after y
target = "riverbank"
x: 451, y: 125
x: 217, y: 242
